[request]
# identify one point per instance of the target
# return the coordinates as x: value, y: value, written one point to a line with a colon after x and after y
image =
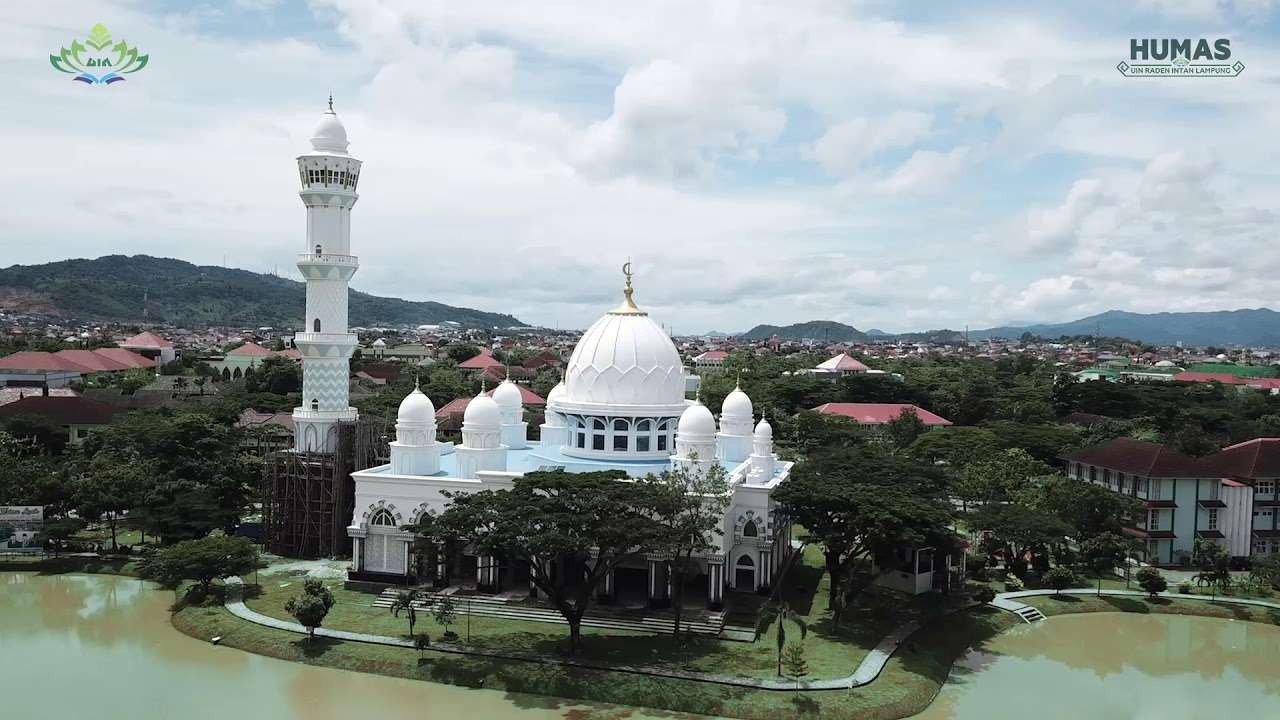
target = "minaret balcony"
x: 327, y: 259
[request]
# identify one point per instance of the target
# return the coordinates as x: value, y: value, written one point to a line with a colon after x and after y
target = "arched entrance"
x: 382, y: 552
x: 744, y: 574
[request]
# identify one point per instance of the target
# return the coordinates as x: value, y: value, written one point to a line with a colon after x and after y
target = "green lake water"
x: 101, y: 647
x: 1118, y: 666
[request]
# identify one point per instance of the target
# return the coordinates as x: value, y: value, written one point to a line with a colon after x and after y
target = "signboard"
x: 20, y: 528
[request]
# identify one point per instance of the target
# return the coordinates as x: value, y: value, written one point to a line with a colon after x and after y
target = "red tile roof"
x: 30, y: 360
x: 146, y: 340
x: 1140, y: 458
x: 1223, y: 378
x: 125, y: 357
x: 879, y: 413
x: 453, y: 408
x: 843, y: 363
x: 93, y: 361
x: 14, y: 394
x: 1257, y: 458
x: 62, y: 410
x: 712, y: 355
x: 250, y: 348
x: 527, y: 396
x: 481, y: 361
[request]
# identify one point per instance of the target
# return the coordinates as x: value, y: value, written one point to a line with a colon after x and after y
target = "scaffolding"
x: 308, y: 496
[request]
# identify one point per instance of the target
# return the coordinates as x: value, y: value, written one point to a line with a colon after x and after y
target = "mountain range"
x: 1248, y: 327
x: 120, y: 288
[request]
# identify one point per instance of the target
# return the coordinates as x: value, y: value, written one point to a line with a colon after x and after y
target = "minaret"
x: 329, y: 176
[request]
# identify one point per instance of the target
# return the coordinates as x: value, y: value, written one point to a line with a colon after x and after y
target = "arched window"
x: 643, y: 428
x: 621, y: 435
x: 315, y: 404
x: 315, y: 326
x: 236, y: 374
x: 597, y: 434
x: 382, y: 518
x: 749, y: 530
x: 662, y: 434
x: 744, y: 561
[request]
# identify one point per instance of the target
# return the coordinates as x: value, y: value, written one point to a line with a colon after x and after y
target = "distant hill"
x: 1221, y: 327
x: 112, y: 288
x: 824, y: 330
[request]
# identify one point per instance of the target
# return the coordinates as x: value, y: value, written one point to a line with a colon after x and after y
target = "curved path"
x: 867, y: 670
x: 870, y: 667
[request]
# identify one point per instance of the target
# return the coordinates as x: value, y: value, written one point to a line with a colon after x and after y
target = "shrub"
x: 1013, y: 583
x: 984, y: 593
x: 1060, y: 578
x: 1184, y: 587
x: 1150, y: 580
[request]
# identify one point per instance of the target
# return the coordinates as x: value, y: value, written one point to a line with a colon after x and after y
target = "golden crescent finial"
x: 628, y: 306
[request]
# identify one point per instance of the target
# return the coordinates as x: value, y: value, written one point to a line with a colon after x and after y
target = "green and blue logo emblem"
x: 98, y: 60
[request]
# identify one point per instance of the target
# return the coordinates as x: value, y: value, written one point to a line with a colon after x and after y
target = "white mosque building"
x: 621, y: 406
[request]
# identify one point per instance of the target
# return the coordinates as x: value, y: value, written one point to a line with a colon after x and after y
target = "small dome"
x: 508, y: 397
x: 1165, y: 363
x: 482, y: 414
x: 557, y: 393
x: 696, y: 420
x: 416, y: 408
x: 764, y: 431
x: 1221, y: 356
x: 736, y: 404
x: 330, y: 135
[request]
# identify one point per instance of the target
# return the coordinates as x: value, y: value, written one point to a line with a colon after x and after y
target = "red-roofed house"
x: 127, y: 358
x: 840, y: 365
x: 77, y: 415
x: 710, y: 360
x: 876, y: 414
x: 42, y: 369
x: 449, y: 417
x: 481, y: 361
x: 246, y: 355
x: 1229, y: 497
x: 150, y: 345
x: 93, y: 361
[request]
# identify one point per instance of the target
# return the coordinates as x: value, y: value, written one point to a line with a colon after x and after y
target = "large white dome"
x: 416, y: 408
x: 736, y: 405
x: 625, y: 358
x: 481, y: 414
x: 508, y: 397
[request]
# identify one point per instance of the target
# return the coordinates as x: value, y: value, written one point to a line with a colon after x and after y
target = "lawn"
x: 830, y: 652
x: 1065, y: 604
x: 907, y: 685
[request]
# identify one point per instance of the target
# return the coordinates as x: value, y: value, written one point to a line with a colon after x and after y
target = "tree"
x: 461, y: 352
x: 779, y: 612
x: 216, y: 557
x: 311, y: 607
x: 1266, y: 568
x: 1001, y: 477
x: 421, y: 642
x: 1017, y: 532
x: 903, y: 430
x: 572, y: 529
x: 1090, y: 510
x: 58, y: 531
x: 956, y: 446
x: 862, y: 503
x: 1151, y: 581
x: 277, y: 374
x: 1103, y: 553
x: 404, y: 601
x: 108, y: 484
x: 444, y: 613
x: 794, y: 663
x: 984, y: 593
x: 691, y: 512
x: 1060, y: 578
x: 1214, y: 564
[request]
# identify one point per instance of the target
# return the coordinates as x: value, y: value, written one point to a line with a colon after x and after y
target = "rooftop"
x: 880, y: 413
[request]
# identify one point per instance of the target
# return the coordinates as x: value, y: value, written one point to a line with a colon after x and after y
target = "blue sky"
x: 895, y: 165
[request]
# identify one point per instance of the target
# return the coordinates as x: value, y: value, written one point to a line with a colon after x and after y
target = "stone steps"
x: 509, y: 609
x: 1030, y: 614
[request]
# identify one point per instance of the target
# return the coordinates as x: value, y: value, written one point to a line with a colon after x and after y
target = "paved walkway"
x: 1009, y: 600
x: 867, y: 670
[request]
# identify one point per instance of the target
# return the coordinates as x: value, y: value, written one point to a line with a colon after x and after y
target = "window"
x: 1266, y: 487
x: 662, y: 442
x: 582, y: 439
x: 1213, y: 519
x: 316, y: 325
x: 1106, y: 478
x: 1157, y: 488
x: 1140, y: 485
x: 642, y: 443
x: 597, y: 434
x: 749, y: 530
x: 382, y: 518
x: 620, y: 443
x: 1093, y: 474
x: 1153, y: 520
x: 1122, y: 482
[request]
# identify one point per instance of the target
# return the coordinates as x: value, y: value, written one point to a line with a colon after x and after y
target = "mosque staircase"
x: 1029, y: 613
x: 657, y: 622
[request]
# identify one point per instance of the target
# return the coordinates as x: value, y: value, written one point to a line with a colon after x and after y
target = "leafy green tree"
x: 1103, y: 553
x: 903, y: 430
x: 998, y: 478
x: 1089, y: 510
x: 984, y: 593
x: 956, y: 446
x: 1151, y: 581
x: 1060, y: 578
x: 1266, y: 568
x: 810, y: 432
x: 545, y: 381
x: 779, y: 613
x: 459, y: 352
x: 590, y: 522
x: 57, y: 531
x: 277, y: 375
x: 311, y: 607
x: 404, y: 601
x: 1214, y: 564
x: 861, y: 504
x: 108, y: 484
x: 216, y: 557
x: 793, y: 661
x: 690, y: 509
x: 38, y: 430
x: 1017, y: 532
x: 444, y: 612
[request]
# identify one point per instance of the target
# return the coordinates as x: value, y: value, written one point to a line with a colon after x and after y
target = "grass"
x: 1067, y: 604
x: 907, y: 685
x: 830, y: 652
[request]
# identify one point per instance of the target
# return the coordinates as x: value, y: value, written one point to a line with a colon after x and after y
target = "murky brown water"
x: 1118, y: 666
x: 97, y: 646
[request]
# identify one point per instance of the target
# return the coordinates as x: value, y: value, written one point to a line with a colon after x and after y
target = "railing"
x: 328, y: 259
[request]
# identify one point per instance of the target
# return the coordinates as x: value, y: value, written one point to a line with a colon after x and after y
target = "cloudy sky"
x: 894, y: 165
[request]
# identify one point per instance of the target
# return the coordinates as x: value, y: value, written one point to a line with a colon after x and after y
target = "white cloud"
x: 846, y: 145
x: 924, y: 169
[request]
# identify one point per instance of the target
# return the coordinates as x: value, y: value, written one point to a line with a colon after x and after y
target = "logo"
x: 98, y: 61
x: 1184, y: 57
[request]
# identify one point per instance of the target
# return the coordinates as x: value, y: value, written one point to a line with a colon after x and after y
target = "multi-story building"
x: 1229, y: 497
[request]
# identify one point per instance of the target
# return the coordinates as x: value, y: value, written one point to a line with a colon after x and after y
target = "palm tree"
x: 780, y: 611
x: 404, y: 600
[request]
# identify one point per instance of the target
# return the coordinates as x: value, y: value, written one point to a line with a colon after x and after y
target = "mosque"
x: 621, y: 406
